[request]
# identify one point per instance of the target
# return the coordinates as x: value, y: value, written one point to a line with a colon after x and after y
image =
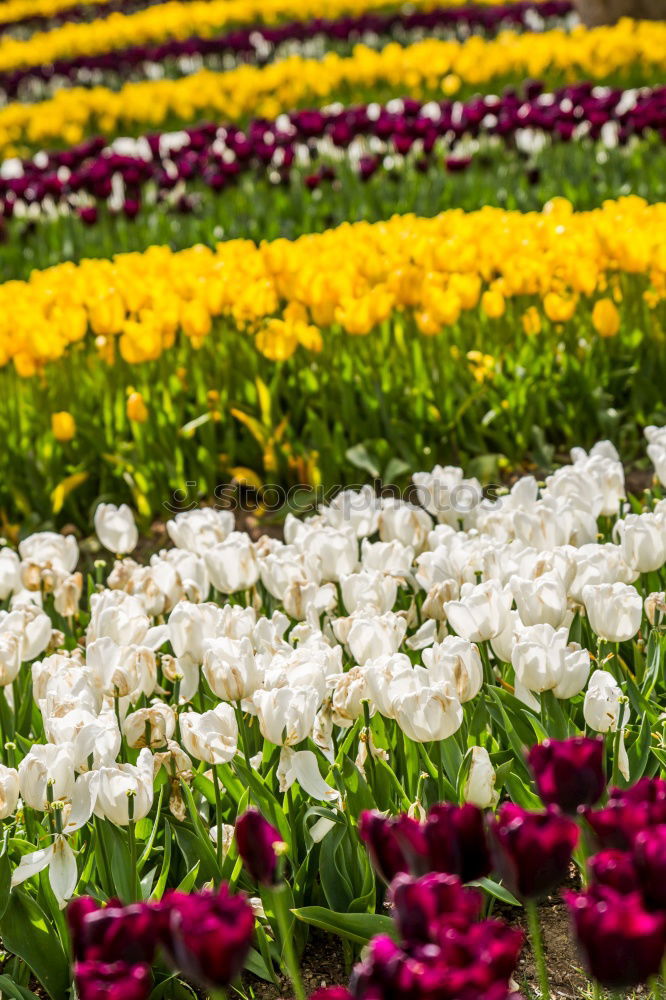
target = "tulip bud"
x: 649, y: 858
x: 480, y: 785
x: 655, y: 608
x: 481, y: 613
x: 115, y: 528
x: 63, y: 426
x: 137, y: 411
x: 232, y: 564
x: 259, y: 845
x: 456, y: 841
x: 615, y: 869
x: 569, y: 773
x: 422, y: 902
x: 457, y: 662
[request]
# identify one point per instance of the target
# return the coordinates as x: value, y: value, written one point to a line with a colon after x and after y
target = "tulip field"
x: 333, y: 506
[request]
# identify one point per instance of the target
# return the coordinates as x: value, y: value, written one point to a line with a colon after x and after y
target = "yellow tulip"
x: 605, y: 318
x: 63, y: 426
x: 137, y: 410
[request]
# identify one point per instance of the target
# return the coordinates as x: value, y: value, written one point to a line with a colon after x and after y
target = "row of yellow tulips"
x: 283, y: 293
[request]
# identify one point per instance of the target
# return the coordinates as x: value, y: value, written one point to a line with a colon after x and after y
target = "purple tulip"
x: 649, y: 857
x: 569, y: 773
x: 385, y: 847
x: 423, y: 906
x: 116, y: 981
x: 532, y: 851
x: 113, y: 933
x: 257, y: 841
x: 456, y: 841
x: 207, y: 935
x: 621, y: 943
x: 614, y: 869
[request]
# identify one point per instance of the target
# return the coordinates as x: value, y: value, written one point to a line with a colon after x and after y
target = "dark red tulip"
x: 569, y: 773
x: 257, y: 841
x: 208, y: 936
x: 115, y: 981
x: 649, y: 857
x: 456, y: 841
x: 614, y: 869
x: 621, y: 943
x: 532, y: 851
x: 113, y: 933
x: 384, y: 846
x: 424, y: 905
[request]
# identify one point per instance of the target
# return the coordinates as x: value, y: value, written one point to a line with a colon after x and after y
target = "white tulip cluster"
x: 370, y: 606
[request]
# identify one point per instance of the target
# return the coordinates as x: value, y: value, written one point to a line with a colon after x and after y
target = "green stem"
x: 287, y: 940
x: 537, y: 947
x: 218, y: 816
x: 440, y: 772
x: 131, y: 836
x: 368, y: 744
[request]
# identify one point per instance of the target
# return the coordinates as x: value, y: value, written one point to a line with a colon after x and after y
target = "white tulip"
x: 655, y: 608
x: 657, y: 455
x: 605, y: 706
x: 392, y: 558
x: 597, y: 564
x: 199, y: 530
x: 543, y: 661
x: 152, y: 727
x: 49, y: 550
x: 447, y: 496
x: 233, y: 564
x: 91, y: 736
x: 457, y: 662
x: 481, y: 613
x: 229, y: 667
x: 379, y: 674
x: 349, y: 692
x: 438, y: 596
x: 67, y: 595
x: 115, y: 527
x: 480, y: 784
x: 191, y: 573
x: 46, y: 773
x: 122, y: 618
x: 31, y: 626
x: 503, y: 643
x: 211, y: 736
x: 541, y: 600
x: 425, y: 711
x: 190, y: 625
x: 10, y: 657
x: 405, y: 523
x: 358, y: 510
x: 120, y: 783
x: 368, y: 637
x: 614, y: 610
x: 329, y: 553
x: 286, y: 715
x: 368, y: 591
x: 9, y: 791
x: 643, y: 540
x: 10, y: 573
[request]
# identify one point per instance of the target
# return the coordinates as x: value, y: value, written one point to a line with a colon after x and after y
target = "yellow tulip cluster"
x: 17, y: 10
x: 284, y: 293
x: 428, y: 66
x: 172, y: 20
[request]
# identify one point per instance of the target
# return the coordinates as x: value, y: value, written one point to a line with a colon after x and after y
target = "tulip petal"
x: 63, y: 873
x: 301, y: 766
x: 32, y: 864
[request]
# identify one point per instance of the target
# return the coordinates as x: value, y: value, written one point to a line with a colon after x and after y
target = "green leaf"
x: 360, y: 458
x: 10, y: 989
x: 358, y: 927
x: 205, y: 845
x: 497, y: 890
x: 26, y: 932
x: 652, y: 663
x: 160, y: 887
x: 190, y: 880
